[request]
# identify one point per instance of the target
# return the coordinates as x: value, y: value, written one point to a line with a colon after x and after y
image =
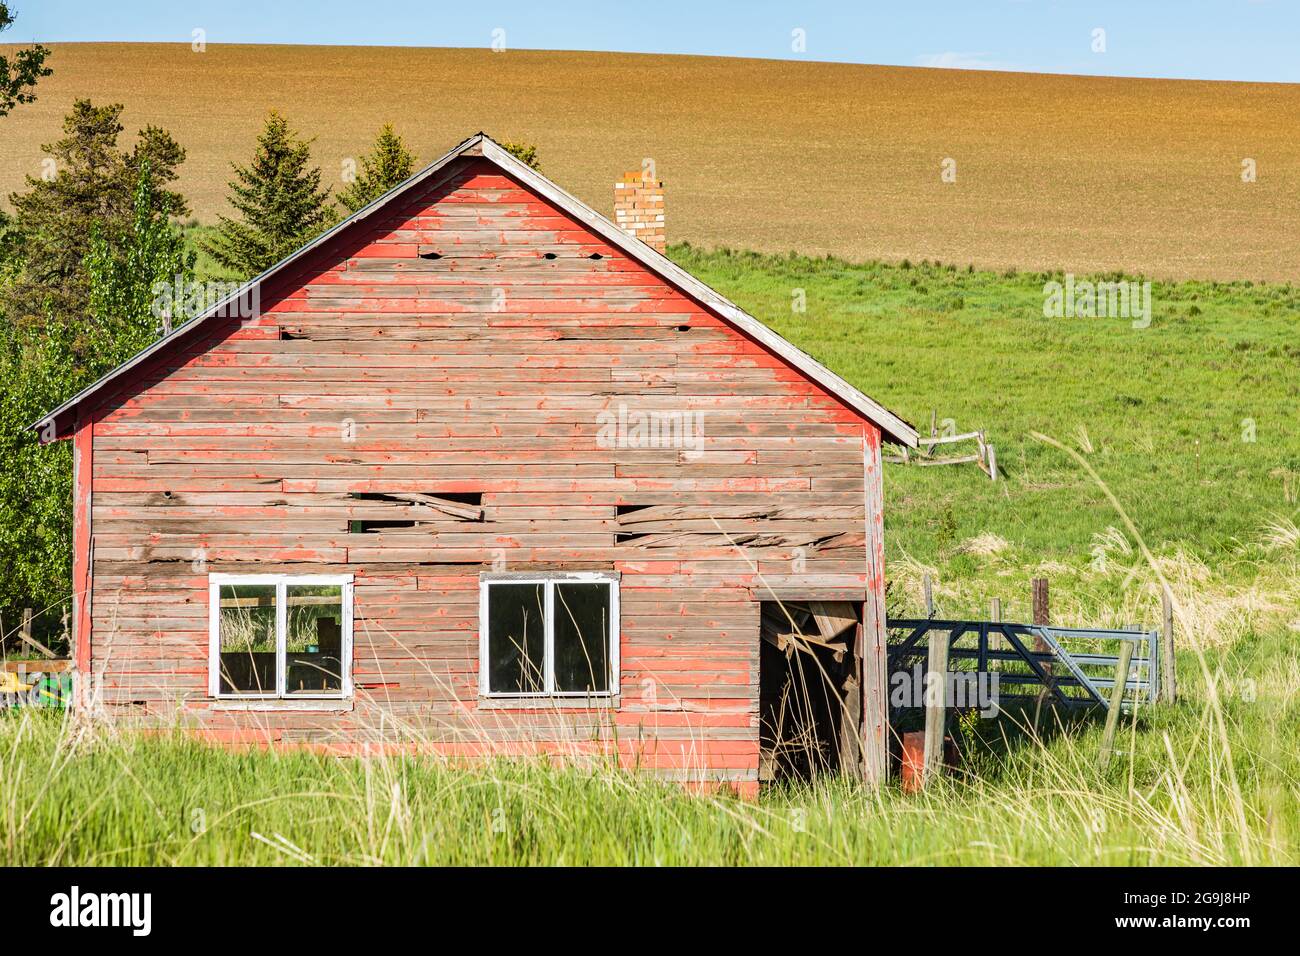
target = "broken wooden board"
x: 833, y: 617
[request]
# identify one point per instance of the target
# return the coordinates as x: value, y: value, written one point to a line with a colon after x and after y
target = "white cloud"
x: 953, y: 60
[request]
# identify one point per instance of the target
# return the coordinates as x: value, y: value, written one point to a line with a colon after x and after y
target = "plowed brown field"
x: 1052, y: 171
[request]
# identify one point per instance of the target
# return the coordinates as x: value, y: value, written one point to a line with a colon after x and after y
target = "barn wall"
x: 372, y: 369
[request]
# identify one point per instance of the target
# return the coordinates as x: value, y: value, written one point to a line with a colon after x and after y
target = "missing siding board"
x: 666, y: 516
x: 373, y: 527
x: 288, y: 334
x: 464, y: 506
x: 697, y: 539
x: 464, y: 497
x: 621, y: 513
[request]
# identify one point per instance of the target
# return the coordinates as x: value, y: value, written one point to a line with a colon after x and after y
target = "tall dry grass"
x: 92, y: 794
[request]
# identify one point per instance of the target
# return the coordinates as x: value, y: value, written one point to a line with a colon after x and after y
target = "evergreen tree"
x: 388, y: 164
x: 280, y: 200
x: 18, y: 77
x: 91, y: 182
x: 526, y: 153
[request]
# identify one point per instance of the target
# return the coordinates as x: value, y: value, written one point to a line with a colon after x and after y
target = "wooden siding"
x: 439, y: 350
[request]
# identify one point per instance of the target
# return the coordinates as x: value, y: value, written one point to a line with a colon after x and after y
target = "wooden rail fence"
x: 984, y: 455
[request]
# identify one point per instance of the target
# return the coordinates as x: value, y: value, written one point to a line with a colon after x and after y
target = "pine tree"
x: 388, y: 164
x: 91, y: 183
x: 280, y: 200
x: 526, y: 153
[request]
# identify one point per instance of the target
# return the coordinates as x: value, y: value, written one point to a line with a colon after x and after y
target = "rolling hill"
x: 1080, y: 173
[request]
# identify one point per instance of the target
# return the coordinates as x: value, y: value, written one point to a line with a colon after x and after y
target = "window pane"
x: 516, y: 638
x: 314, y: 639
x: 582, y: 637
x: 247, y: 639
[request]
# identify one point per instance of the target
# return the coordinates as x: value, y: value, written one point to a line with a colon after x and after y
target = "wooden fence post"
x: 1168, y: 675
x: 928, y: 586
x: 1042, y: 615
x: 1116, y: 699
x: 936, y: 700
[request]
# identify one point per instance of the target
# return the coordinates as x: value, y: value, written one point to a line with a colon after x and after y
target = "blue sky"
x: 1197, y: 39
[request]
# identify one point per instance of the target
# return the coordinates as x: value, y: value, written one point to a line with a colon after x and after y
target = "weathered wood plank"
x: 373, y: 371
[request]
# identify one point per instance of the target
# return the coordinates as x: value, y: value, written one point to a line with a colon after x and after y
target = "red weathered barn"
x: 478, y: 472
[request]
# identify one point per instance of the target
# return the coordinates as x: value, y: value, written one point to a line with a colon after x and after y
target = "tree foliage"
x: 89, y: 182
x: 389, y: 163
x: 130, y: 245
x: 526, y: 153
x: 279, y: 199
x: 18, y: 76
x: 125, y: 273
x: 35, y: 480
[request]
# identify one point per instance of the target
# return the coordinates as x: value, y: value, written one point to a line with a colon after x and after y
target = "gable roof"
x: 892, y: 427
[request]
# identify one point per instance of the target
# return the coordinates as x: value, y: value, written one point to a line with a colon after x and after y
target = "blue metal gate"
x: 1075, y: 666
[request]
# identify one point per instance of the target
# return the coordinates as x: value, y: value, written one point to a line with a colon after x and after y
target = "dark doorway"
x: 809, y: 712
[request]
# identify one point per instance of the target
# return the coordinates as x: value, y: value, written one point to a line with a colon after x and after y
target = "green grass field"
x: 1164, y: 415
x: 1162, y: 407
x: 74, y: 795
x: 1190, y: 422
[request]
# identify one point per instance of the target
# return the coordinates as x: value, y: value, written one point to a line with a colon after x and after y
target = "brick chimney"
x: 639, y: 208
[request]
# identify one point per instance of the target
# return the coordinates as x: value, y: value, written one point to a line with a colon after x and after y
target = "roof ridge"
x: 891, y: 425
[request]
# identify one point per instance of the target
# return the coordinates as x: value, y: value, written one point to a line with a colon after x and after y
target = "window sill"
x: 282, y: 704
x: 548, y: 703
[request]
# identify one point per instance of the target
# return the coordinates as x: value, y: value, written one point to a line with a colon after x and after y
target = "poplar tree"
x: 43, y: 365
x: 126, y: 273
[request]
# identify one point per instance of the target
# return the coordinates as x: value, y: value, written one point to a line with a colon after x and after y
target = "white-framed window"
x: 280, y: 636
x: 548, y: 635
